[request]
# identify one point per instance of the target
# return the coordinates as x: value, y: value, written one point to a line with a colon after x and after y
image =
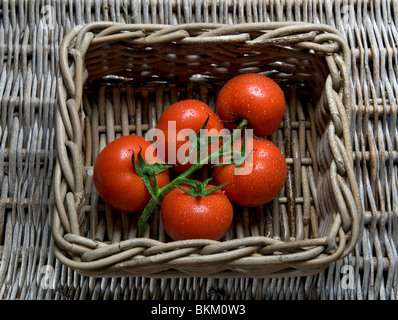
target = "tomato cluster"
x: 128, y: 181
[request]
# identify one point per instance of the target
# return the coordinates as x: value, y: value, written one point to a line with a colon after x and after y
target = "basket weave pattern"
x: 115, y: 79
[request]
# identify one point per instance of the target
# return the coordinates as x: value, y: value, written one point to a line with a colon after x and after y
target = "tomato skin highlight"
x: 264, y: 182
x: 115, y: 178
x: 254, y: 97
x: 187, y: 217
x: 187, y: 114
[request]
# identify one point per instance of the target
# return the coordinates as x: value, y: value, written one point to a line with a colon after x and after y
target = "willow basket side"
x: 116, y: 79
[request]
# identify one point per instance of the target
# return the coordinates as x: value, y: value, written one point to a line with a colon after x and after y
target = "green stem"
x: 180, y: 179
x: 242, y: 125
x: 146, y: 213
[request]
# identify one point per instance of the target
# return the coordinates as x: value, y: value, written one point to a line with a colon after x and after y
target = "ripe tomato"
x: 254, y: 97
x: 115, y: 178
x: 188, y: 217
x: 262, y: 182
x: 187, y: 114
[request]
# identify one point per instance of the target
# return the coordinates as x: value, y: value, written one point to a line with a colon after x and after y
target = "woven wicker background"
x: 30, y: 34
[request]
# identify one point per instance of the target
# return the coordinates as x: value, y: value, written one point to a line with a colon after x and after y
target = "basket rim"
x: 70, y: 90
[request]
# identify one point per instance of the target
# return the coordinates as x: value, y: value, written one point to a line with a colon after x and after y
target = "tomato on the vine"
x: 189, y: 209
x: 186, y: 115
x: 185, y: 216
x: 260, y: 184
x: 115, y: 178
x: 254, y: 97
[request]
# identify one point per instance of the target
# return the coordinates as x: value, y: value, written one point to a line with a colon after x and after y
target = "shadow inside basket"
x: 122, y: 108
x: 127, y: 87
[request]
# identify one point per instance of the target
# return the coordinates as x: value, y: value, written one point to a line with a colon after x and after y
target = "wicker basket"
x: 116, y: 79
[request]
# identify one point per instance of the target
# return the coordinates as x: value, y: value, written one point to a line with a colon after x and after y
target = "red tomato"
x: 187, y: 114
x: 187, y: 217
x: 115, y: 178
x: 262, y: 182
x: 254, y: 97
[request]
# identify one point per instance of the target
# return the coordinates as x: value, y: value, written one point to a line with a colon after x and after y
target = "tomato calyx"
x: 198, y: 189
x: 199, y: 142
x: 148, y: 171
x: 234, y: 156
x: 237, y: 119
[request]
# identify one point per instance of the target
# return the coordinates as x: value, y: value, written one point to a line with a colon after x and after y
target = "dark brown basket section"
x: 116, y: 79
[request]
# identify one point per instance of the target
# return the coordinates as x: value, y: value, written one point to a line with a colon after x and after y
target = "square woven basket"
x: 116, y: 79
